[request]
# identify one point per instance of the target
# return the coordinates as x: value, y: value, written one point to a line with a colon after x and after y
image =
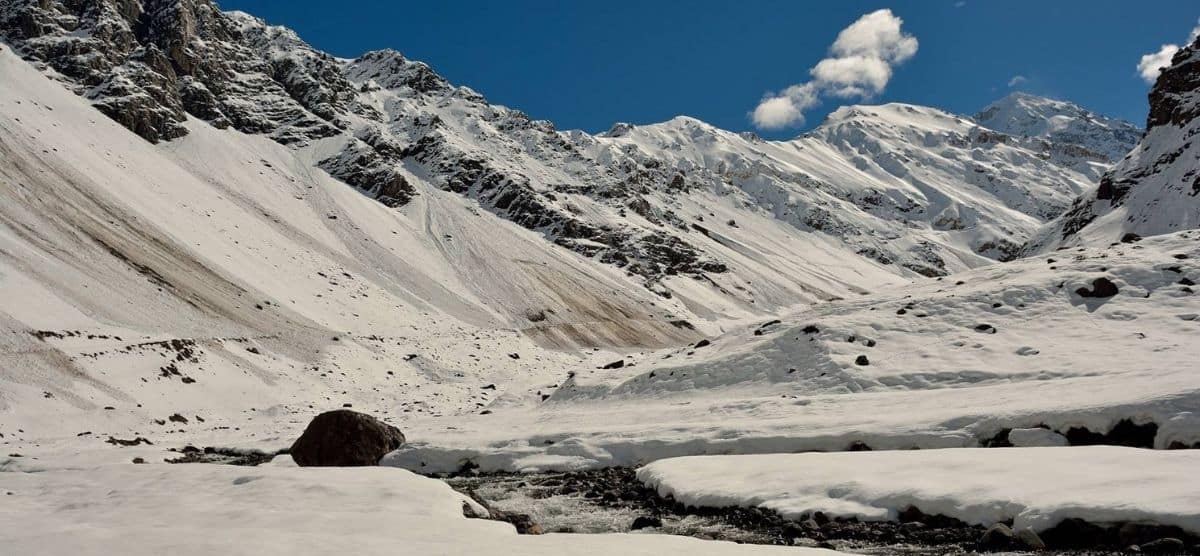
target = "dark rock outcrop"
x: 344, y: 438
x: 1102, y: 288
x: 1155, y: 189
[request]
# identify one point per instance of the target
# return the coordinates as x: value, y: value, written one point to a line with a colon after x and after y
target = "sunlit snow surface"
x: 949, y: 364
x: 215, y: 509
x: 1035, y: 487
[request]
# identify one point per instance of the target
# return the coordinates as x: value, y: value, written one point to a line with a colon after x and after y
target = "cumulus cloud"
x: 1016, y: 80
x: 786, y: 108
x: 859, y: 65
x: 1151, y: 64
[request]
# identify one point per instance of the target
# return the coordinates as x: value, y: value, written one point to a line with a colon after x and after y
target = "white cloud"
x: 1151, y: 64
x: 960, y: 3
x: 859, y: 76
x: 859, y: 65
x: 777, y: 112
x: 1016, y: 80
x: 875, y: 35
x: 786, y: 108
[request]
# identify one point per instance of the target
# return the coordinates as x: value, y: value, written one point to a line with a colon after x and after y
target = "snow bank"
x: 1037, y: 487
x: 214, y: 509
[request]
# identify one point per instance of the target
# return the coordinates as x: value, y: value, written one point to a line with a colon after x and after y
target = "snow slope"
x: 947, y: 363
x: 137, y: 510
x: 1034, y: 487
x: 1061, y: 123
x: 222, y: 276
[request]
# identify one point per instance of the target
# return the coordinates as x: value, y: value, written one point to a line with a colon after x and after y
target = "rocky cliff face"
x: 1156, y: 188
x: 917, y: 191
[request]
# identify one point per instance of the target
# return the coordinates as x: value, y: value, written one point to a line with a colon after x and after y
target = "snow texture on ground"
x: 947, y: 363
x: 215, y: 509
x: 1036, y: 487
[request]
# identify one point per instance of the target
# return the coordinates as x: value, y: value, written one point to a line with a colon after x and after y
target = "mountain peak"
x: 390, y: 69
x: 1059, y: 121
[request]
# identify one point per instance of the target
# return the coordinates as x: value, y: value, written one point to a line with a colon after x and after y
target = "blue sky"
x: 587, y: 64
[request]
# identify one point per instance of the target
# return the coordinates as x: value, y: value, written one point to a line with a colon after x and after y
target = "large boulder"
x: 344, y: 438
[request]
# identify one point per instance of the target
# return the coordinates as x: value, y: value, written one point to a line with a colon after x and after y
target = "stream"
x: 614, y: 501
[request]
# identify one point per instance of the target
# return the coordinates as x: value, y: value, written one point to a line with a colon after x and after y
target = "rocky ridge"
x: 381, y: 120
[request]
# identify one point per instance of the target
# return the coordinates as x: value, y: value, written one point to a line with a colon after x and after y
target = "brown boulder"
x: 344, y: 438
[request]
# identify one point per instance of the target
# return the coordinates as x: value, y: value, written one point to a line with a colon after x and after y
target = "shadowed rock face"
x: 149, y: 64
x: 345, y: 438
x: 1175, y: 98
x: 1155, y: 189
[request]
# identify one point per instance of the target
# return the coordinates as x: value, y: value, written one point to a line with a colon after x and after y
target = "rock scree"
x: 345, y: 438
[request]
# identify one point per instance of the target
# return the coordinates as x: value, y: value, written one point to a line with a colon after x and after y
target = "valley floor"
x: 1037, y: 353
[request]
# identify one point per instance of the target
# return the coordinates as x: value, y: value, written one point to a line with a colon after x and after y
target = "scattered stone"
x: 1036, y: 438
x: 997, y: 537
x: 1074, y: 533
x: 345, y: 438
x: 1124, y: 433
x: 1030, y: 539
x: 1169, y: 545
x: 122, y: 442
x: 811, y: 329
x: 702, y: 343
x: 1143, y: 533
x: 139, y: 460
x: 645, y: 522
x: 985, y: 328
x: 910, y: 514
x: 614, y: 365
x: 1102, y: 288
x: 862, y: 361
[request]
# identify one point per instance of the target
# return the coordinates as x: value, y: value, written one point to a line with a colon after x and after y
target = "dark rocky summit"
x: 344, y: 438
x: 1156, y: 188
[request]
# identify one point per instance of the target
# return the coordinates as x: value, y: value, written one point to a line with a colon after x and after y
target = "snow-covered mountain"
x: 212, y: 214
x: 210, y: 231
x: 1156, y: 188
x: 851, y: 186
x: 1061, y: 123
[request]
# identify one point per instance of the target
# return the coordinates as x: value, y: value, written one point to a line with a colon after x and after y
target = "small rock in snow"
x: 997, y: 537
x: 644, y: 522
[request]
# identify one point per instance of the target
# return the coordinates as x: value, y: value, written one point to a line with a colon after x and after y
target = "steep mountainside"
x: 1154, y: 190
x: 199, y: 252
x: 1061, y: 123
x: 658, y: 212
